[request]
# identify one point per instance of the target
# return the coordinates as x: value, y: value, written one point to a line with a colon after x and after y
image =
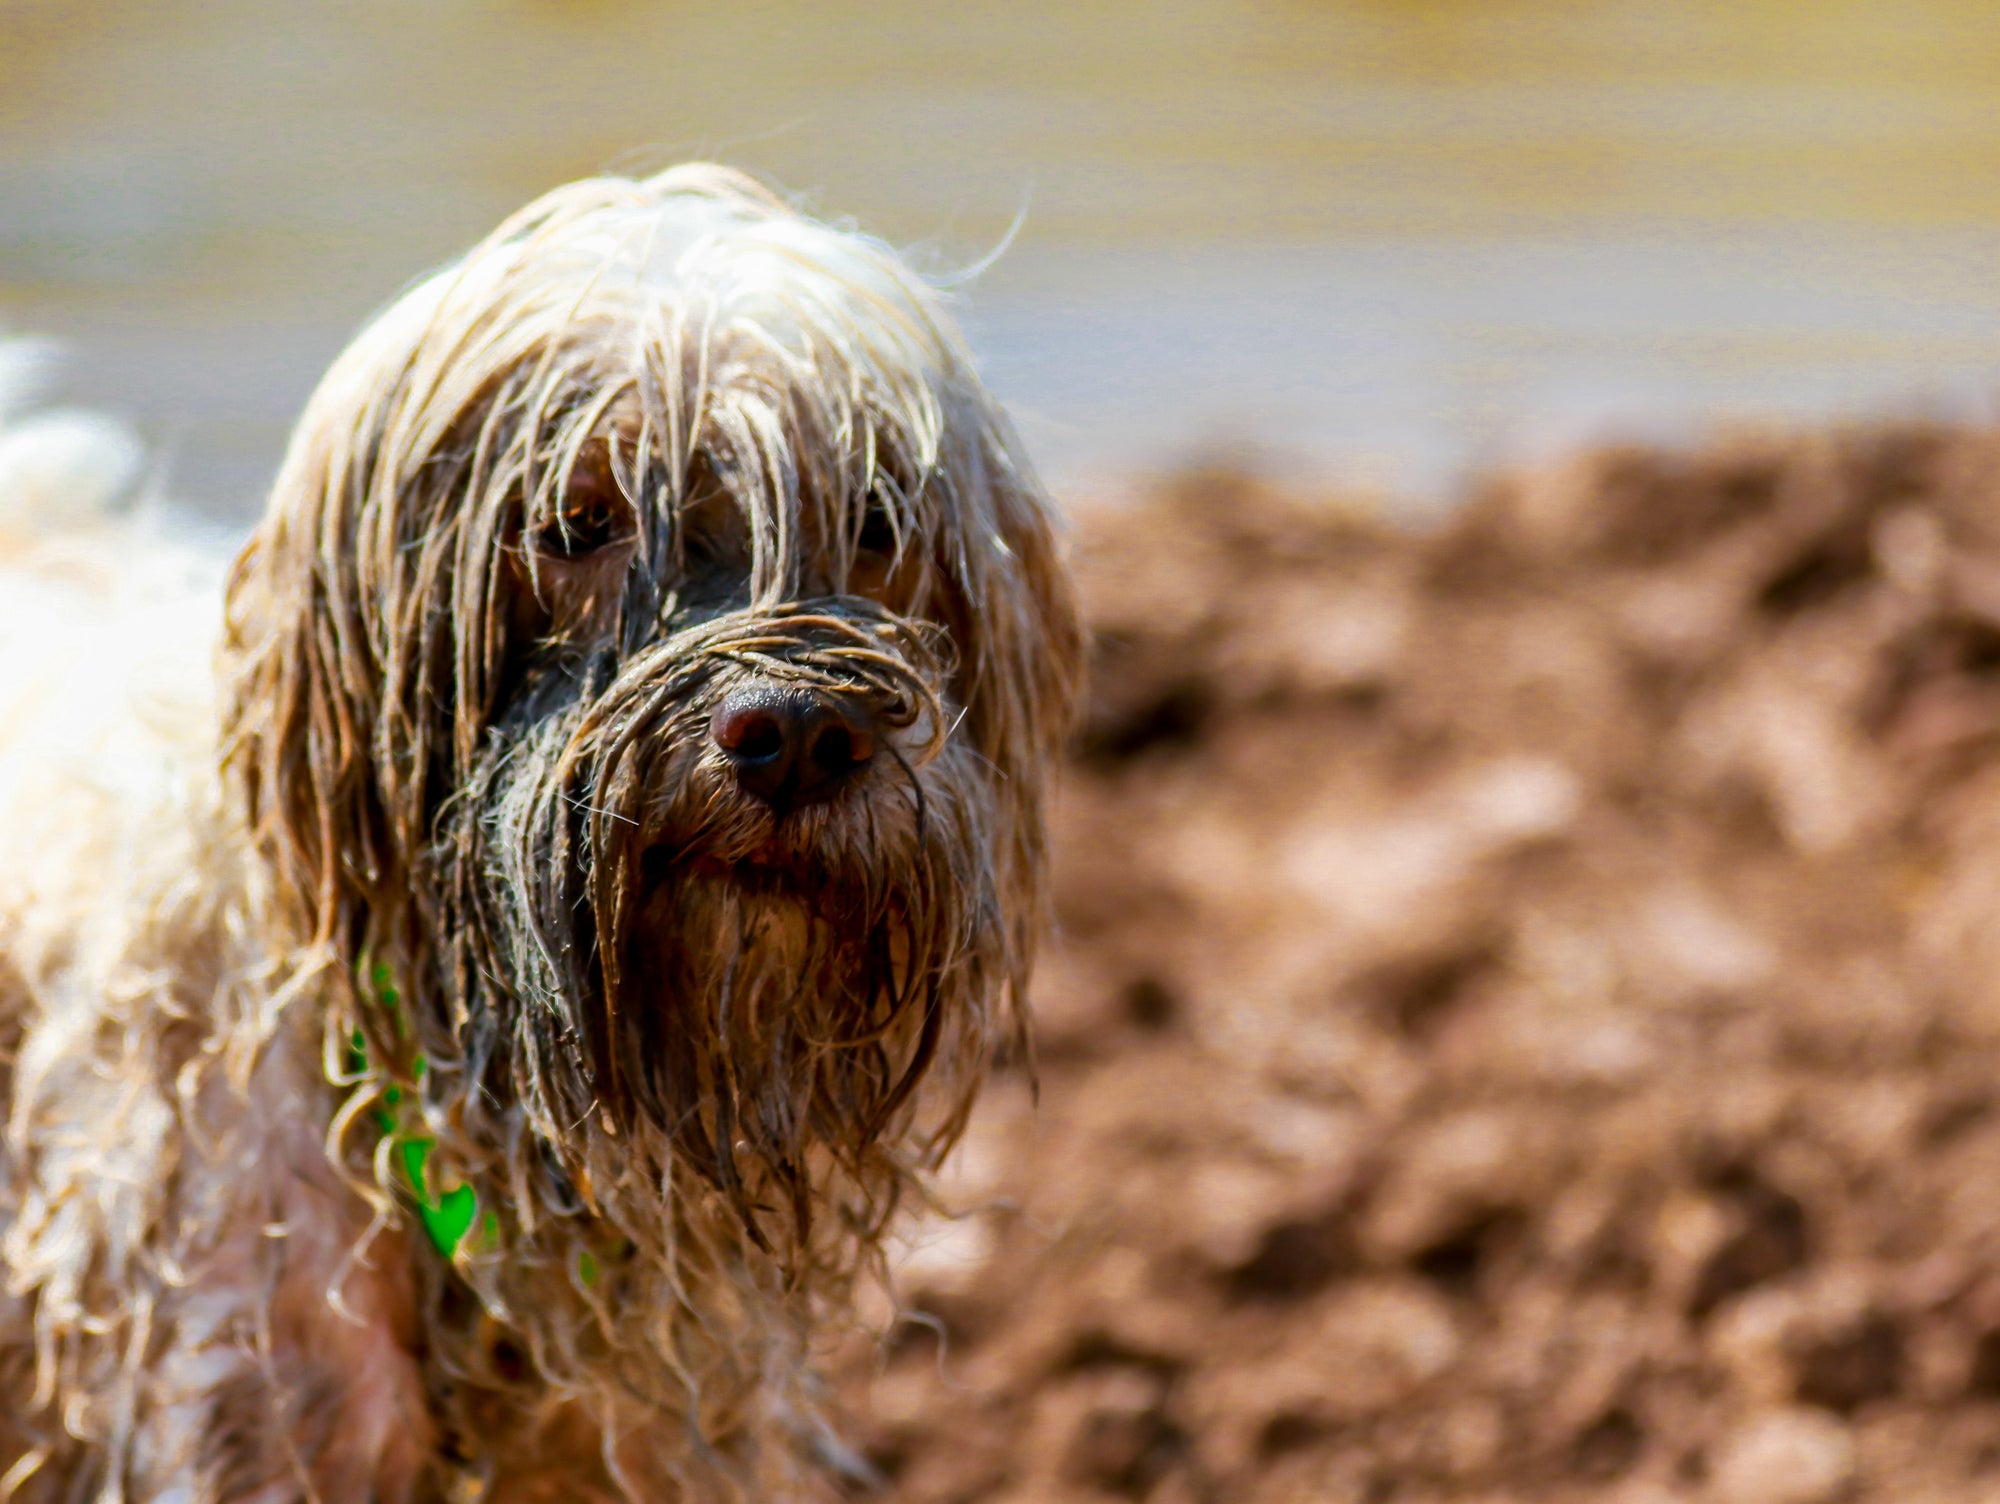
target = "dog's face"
x: 648, y: 671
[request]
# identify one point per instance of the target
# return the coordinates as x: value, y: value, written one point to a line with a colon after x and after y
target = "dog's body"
x: 472, y: 1046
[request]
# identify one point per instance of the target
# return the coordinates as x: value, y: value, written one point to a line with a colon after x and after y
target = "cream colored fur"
x: 161, y: 1177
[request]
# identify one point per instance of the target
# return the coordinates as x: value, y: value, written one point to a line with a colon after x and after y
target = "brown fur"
x: 651, y: 442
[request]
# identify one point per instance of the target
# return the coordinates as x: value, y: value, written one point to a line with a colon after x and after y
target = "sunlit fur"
x: 455, y: 859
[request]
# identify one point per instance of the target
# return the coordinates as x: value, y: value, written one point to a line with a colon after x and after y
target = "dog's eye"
x: 595, y: 515
x: 879, y: 553
x: 878, y: 533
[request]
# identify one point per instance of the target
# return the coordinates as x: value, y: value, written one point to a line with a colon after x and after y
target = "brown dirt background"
x: 1526, y: 1021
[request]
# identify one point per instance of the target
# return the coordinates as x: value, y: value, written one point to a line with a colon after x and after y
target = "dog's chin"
x: 766, y: 873
x: 779, y: 990
x: 812, y: 853
x: 772, y: 890
x: 706, y: 925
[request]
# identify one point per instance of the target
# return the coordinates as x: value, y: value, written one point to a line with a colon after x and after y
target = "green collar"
x: 447, y: 1216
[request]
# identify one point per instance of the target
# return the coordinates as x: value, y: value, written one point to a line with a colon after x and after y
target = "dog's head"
x: 648, y: 671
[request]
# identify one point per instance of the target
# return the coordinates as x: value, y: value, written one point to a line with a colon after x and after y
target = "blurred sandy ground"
x: 1383, y: 240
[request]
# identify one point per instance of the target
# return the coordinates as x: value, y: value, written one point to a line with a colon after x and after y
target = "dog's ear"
x: 303, y: 696
x: 1013, y: 618
x: 1030, y: 632
x: 359, y: 645
x: 1016, y: 621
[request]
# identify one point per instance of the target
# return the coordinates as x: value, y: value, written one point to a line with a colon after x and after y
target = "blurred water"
x: 1386, y: 239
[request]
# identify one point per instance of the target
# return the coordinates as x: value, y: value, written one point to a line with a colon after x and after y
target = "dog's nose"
x: 790, y: 746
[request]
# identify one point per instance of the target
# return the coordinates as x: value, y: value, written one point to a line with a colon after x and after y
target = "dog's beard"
x: 749, y: 996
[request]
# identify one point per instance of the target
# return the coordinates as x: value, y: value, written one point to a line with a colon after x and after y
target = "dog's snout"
x: 791, y: 746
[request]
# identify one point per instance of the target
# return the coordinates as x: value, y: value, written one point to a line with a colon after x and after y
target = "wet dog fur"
x: 451, y: 890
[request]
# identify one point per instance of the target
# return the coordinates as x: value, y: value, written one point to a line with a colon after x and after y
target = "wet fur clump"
x: 485, y: 915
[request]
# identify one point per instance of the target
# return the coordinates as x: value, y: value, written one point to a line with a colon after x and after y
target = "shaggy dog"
x: 463, y: 1051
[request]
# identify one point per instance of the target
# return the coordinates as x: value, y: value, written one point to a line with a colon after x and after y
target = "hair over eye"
x: 878, y: 531
x: 594, y: 515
